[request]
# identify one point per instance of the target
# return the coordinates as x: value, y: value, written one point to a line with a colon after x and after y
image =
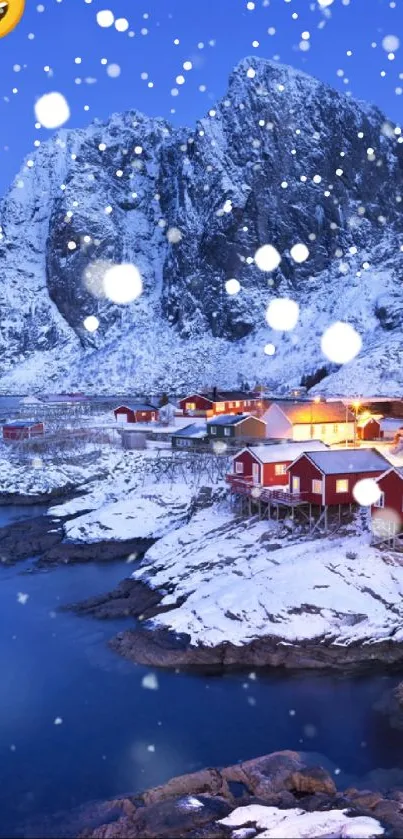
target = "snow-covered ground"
x: 278, y: 824
x: 147, y: 514
x: 240, y: 582
x: 40, y: 477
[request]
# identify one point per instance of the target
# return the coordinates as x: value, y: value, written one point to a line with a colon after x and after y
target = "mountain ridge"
x: 243, y: 177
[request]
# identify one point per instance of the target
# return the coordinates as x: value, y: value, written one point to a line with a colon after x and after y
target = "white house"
x: 330, y: 422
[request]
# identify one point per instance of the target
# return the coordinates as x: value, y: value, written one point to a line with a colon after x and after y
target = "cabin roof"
x: 137, y: 406
x: 223, y: 396
x: 231, y: 419
x: 343, y: 461
x: 21, y: 423
x: 363, y: 421
x: 282, y: 452
x: 391, y: 423
x: 310, y: 413
x: 196, y: 431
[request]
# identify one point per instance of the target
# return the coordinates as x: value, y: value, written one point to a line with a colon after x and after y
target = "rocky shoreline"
x: 159, y: 647
x: 194, y: 805
x: 44, y: 537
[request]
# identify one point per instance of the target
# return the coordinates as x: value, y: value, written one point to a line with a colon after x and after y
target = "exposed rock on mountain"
x: 281, y: 159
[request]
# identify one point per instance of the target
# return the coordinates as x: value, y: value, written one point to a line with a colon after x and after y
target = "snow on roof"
x: 230, y: 419
x: 315, y: 412
x: 196, y: 431
x: 397, y: 469
x: 341, y: 461
x: 363, y: 421
x: 283, y: 452
x: 391, y: 423
x: 21, y: 423
x: 137, y: 406
x: 223, y: 396
x: 30, y: 400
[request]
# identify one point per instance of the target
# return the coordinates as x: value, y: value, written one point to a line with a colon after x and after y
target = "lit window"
x: 237, y: 404
x: 381, y: 501
x: 280, y: 469
x: 213, y: 429
x: 190, y: 406
x: 227, y: 432
x: 239, y: 468
x: 342, y: 486
x: 220, y: 406
x: 317, y: 487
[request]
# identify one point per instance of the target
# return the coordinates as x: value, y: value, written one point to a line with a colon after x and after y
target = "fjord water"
x: 76, y: 724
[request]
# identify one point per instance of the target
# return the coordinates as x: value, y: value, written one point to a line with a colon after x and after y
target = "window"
x: 296, y: 483
x: 213, y: 430
x: 190, y: 406
x: 336, y: 428
x: 237, y: 404
x: 280, y: 469
x: 317, y: 487
x: 239, y: 468
x: 323, y: 429
x: 381, y: 501
x: 220, y: 406
x: 342, y: 485
x: 227, y: 432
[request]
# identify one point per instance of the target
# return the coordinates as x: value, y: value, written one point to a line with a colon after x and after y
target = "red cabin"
x: 328, y: 477
x: 369, y: 428
x: 267, y: 465
x: 389, y: 508
x: 137, y: 412
x: 22, y: 430
x: 221, y: 402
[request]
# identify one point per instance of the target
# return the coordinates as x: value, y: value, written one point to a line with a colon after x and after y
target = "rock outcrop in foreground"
x: 271, y: 796
x: 281, y: 159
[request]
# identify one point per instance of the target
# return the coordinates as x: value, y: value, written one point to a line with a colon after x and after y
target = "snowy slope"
x: 240, y: 581
x: 281, y: 159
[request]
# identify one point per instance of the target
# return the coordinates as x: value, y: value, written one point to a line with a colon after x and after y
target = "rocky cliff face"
x: 281, y: 159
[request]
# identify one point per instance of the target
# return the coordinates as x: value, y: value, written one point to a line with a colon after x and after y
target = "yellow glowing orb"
x: 11, y: 12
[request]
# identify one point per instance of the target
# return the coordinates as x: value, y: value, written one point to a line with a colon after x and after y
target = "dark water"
x: 57, y: 665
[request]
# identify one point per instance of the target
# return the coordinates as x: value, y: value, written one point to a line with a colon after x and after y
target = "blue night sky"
x: 213, y: 34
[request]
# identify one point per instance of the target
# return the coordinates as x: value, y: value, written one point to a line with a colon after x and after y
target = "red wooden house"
x: 328, y: 477
x: 136, y: 412
x: 22, y: 429
x: 267, y: 465
x: 369, y: 428
x: 388, y: 509
x: 217, y: 402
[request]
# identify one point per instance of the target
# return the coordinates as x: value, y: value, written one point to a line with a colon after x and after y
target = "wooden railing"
x: 246, y: 486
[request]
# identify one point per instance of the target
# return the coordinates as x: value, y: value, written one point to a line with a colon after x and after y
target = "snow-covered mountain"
x: 281, y: 159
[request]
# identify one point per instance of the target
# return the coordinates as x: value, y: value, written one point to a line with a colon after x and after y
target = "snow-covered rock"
x: 272, y: 823
x: 239, y: 582
x: 147, y: 514
x: 189, y: 209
